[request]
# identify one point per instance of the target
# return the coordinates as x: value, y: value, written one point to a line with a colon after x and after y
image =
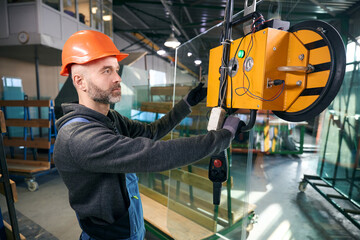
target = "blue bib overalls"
x: 137, y: 228
x: 136, y: 219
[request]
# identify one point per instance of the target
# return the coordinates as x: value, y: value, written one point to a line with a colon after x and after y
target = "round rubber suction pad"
x: 327, y: 55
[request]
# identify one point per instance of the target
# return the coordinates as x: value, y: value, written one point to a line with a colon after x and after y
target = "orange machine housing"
x: 269, y: 49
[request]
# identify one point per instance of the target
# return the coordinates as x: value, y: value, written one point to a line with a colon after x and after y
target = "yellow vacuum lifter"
x: 295, y: 73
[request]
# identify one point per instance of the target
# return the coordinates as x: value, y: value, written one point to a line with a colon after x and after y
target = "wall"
x: 48, y: 75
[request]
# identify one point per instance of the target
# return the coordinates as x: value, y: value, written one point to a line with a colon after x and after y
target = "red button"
x: 217, y: 163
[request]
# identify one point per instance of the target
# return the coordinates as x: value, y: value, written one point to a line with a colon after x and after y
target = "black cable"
x: 231, y: 81
x: 279, y: 82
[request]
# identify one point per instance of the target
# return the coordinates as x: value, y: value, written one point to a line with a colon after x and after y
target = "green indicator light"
x: 241, y: 53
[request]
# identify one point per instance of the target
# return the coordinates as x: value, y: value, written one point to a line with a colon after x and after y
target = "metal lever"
x: 310, y: 68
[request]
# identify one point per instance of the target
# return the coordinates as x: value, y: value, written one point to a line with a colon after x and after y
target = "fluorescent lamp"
x: 161, y: 52
x: 107, y: 17
x: 197, y: 62
x: 172, y: 42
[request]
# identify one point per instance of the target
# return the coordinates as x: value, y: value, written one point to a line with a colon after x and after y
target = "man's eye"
x: 107, y: 71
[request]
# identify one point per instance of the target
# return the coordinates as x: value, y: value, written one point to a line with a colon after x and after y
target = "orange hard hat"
x: 85, y: 46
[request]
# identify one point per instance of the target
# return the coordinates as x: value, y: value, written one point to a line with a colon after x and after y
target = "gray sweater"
x: 93, y: 157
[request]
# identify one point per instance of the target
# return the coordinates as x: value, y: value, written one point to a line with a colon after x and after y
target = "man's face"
x: 103, y: 81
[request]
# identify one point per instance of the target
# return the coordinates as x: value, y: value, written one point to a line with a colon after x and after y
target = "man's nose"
x: 117, y: 78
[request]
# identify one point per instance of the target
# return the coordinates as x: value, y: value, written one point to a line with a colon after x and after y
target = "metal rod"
x: 8, y: 192
x: 37, y: 74
x: 302, y: 137
x: 326, y: 142
x: 338, y: 157
x: 37, y: 84
x: 228, y: 188
x: 322, y: 185
x: 335, y: 196
x: 351, y: 211
x: 327, y: 181
x: 353, y: 154
x: 340, y: 209
x: 226, y: 51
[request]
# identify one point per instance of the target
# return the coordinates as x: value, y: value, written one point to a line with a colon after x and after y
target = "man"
x: 97, y: 151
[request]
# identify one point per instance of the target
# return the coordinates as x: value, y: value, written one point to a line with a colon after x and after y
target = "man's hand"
x: 196, y: 95
x: 234, y: 125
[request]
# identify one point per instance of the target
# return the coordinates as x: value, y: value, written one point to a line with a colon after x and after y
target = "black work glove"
x: 196, y: 95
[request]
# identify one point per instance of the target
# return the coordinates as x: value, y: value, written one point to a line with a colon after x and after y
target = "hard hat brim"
x: 65, y: 69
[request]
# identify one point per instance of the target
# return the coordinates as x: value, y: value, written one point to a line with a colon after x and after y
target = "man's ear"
x: 79, y: 82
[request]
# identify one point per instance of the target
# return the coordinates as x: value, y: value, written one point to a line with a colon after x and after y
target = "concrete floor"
x: 283, y: 212
x: 286, y: 213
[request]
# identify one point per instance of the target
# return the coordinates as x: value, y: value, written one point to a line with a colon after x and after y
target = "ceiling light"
x: 172, y: 42
x: 197, y: 62
x: 189, y: 54
x: 107, y: 17
x: 161, y: 52
x: 94, y: 10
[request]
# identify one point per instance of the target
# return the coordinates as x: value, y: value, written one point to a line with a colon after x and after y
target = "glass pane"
x: 96, y: 14
x: 339, y: 158
x: 53, y: 3
x: 191, y: 213
x: 107, y: 18
x: 84, y: 11
x: 357, y: 51
x: 350, y: 52
x: 13, y: 90
x: 70, y: 7
x: 134, y: 91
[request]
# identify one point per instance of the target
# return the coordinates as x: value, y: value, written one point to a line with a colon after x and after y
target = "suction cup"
x: 327, y: 56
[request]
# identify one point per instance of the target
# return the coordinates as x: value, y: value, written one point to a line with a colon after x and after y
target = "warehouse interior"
x: 289, y: 176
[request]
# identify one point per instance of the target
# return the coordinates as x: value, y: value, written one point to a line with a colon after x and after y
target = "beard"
x: 104, y: 96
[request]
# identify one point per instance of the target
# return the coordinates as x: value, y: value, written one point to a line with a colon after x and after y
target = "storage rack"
x: 23, y: 166
x: 352, y: 141
x: 5, y: 181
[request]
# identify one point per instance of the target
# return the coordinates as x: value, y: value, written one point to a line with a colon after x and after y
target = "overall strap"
x: 78, y: 119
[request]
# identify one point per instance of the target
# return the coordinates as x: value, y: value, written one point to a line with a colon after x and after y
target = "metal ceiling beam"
x: 173, y: 17
x: 122, y: 19
x: 198, y: 2
x: 136, y: 17
x: 291, y: 10
x: 143, y: 36
x: 148, y: 14
x: 316, y: 2
x: 189, y: 17
x: 156, y: 47
x: 354, y: 8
